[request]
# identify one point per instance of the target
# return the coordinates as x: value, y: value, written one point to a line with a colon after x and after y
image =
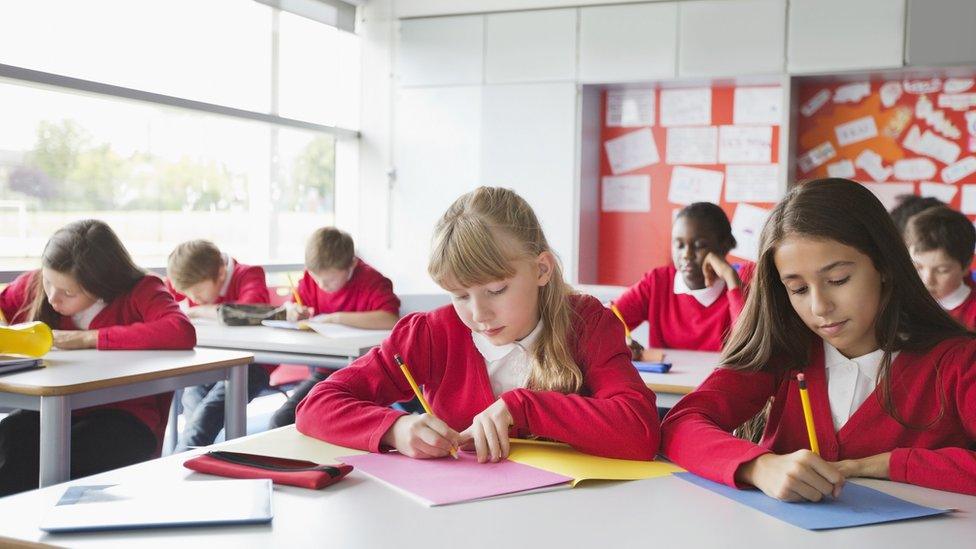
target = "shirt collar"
x: 868, y: 364
x: 706, y: 296
x: 493, y: 352
x: 230, y: 274
x: 956, y: 298
x: 84, y: 318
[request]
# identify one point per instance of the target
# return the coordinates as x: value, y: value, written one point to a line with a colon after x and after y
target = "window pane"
x: 304, y: 190
x: 218, y: 51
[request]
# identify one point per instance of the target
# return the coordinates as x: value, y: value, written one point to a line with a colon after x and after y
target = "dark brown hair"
x: 909, y: 205
x: 329, y: 248
x: 193, y: 262
x: 942, y: 228
x: 713, y: 219
x: 769, y: 335
x: 90, y: 252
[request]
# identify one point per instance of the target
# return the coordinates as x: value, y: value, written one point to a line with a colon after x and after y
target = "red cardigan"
x: 695, y: 435
x: 965, y: 313
x: 145, y: 318
x: 680, y: 321
x: 367, y: 290
x: 247, y: 285
x: 614, y: 415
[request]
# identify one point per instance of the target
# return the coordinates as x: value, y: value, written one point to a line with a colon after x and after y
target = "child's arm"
x: 15, y: 296
x: 253, y: 287
x: 202, y: 311
x: 618, y: 419
x: 634, y: 303
x: 367, y: 320
x: 163, y: 325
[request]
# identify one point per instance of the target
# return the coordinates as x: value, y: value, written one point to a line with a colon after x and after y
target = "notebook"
x: 12, y: 363
x: 155, y: 505
x: 338, y: 331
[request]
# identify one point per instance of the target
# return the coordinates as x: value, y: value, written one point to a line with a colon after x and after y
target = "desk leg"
x: 55, y: 440
x: 235, y: 403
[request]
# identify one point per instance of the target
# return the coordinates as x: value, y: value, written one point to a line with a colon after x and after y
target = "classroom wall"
x: 496, y: 95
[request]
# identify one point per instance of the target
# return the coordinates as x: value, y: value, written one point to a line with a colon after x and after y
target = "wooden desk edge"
x: 670, y: 389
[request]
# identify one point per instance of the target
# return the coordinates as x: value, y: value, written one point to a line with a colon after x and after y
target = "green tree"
x: 313, y: 173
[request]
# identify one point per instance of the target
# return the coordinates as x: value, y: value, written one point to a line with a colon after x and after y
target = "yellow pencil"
x: 808, y: 414
x: 616, y: 311
x: 294, y: 292
x: 416, y: 391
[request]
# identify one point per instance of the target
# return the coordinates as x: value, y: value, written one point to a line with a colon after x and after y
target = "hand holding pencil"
x: 420, y: 436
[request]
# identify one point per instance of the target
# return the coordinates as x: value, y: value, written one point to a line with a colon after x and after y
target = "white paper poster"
x: 852, y: 93
x: 692, y: 145
x: 873, y: 163
x: 914, y: 169
x: 888, y: 193
x: 842, y: 168
x: 931, y: 145
x: 968, y: 204
x: 959, y: 170
x: 816, y: 157
x: 890, y: 92
x: 922, y: 86
x: 814, y: 103
x: 747, y: 225
x: 626, y: 193
x: 760, y: 106
x: 745, y: 144
x: 687, y: 107
x: 957, y: 85
x: 752, y: 183
x: 941, y: 191
x: 630, y: 108
x: 856, y: 130
x: 632, y: 151
x: 690, y: 185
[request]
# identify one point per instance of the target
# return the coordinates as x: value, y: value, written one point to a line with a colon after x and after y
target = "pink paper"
x: 446, y: 480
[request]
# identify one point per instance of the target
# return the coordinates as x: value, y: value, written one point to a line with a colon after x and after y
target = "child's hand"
x: 652, y: 355
x: 800, y: 476
x: 636, y: 350
x: 202, y: 311
x: 421, y: 436
x: 716, y: 267
x: 295, y: 312
x: 875, y: 466
x: 75, y: 339
x: 489, y: 432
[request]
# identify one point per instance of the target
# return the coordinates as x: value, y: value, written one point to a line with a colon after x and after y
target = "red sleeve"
x: 351, y: 407
x: 307, y: 290
x: 157, y: 321
x: 635, y: 302
x: 618, y: 417
x: 382, y: 298
x: 15, y: 296
x: 697, y: 432
x: 177, y: 296
x: 737, y: 296
x: 952, y: 469
x: 252, y: 286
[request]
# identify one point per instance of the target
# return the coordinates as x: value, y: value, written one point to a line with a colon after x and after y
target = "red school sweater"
x: 247, y: 285
x: 965, y: 313
x: 146, y: 317
x: 367, y: 290
x: 679, y: 321
x: 942, y: 380
x: 614, y: 415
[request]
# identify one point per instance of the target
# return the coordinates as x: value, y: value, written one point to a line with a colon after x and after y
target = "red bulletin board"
x: 914, y: 135
x: 634, y: 242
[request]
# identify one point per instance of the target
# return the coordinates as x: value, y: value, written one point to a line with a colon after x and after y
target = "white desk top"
x: 70, y: 372
x: 688, y: 370
x: 264, y: 338
x: 361, y: 512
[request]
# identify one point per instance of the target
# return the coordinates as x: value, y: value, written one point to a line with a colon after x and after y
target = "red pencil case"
x: 294, y: 472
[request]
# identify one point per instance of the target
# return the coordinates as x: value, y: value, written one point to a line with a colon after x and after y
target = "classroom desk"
x: 688, y: 370
x: 362, y: 512
x: 277, y: 346
x: 79, y: 379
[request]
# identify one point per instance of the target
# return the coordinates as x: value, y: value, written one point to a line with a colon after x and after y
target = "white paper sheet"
x: 971, y: 122
x: 747, y: 224
x: 890, y: 92
x: 941, y: 191
x: 888, y: 193
x: 752, y: 183
x: 686, y: 107
x: 693, y: 145
x: 959, y: 170
x: 842, y: 168
x: 872, y: 163
x: 914, y: 169
x: 632, y: 151
x: 852, y: 93
x: 957, y: 101
x: 931, y: 145
x: 813, y: 104
x: 856, y: 130
x: 816, y: 156
x: 957, y: 85
x: 630, y: 108
x: 968, y: 203
x: 922, y: 86
x: 690, y: 185
x: 761, y: 106
x: 745, y: 144
x: 626, y: 193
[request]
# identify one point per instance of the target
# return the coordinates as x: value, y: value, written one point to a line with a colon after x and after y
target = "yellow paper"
x: 562, y: 459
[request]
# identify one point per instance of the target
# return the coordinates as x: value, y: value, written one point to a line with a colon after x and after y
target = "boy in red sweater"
x: 941, y: 242
x: 204, y: 277
x: 341, y: 288
x: 94, y: 297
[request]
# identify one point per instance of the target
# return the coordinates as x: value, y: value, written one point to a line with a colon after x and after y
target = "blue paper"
x: 858, y: 505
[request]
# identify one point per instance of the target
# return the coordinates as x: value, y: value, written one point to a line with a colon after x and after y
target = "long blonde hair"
x: 466, y: 250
